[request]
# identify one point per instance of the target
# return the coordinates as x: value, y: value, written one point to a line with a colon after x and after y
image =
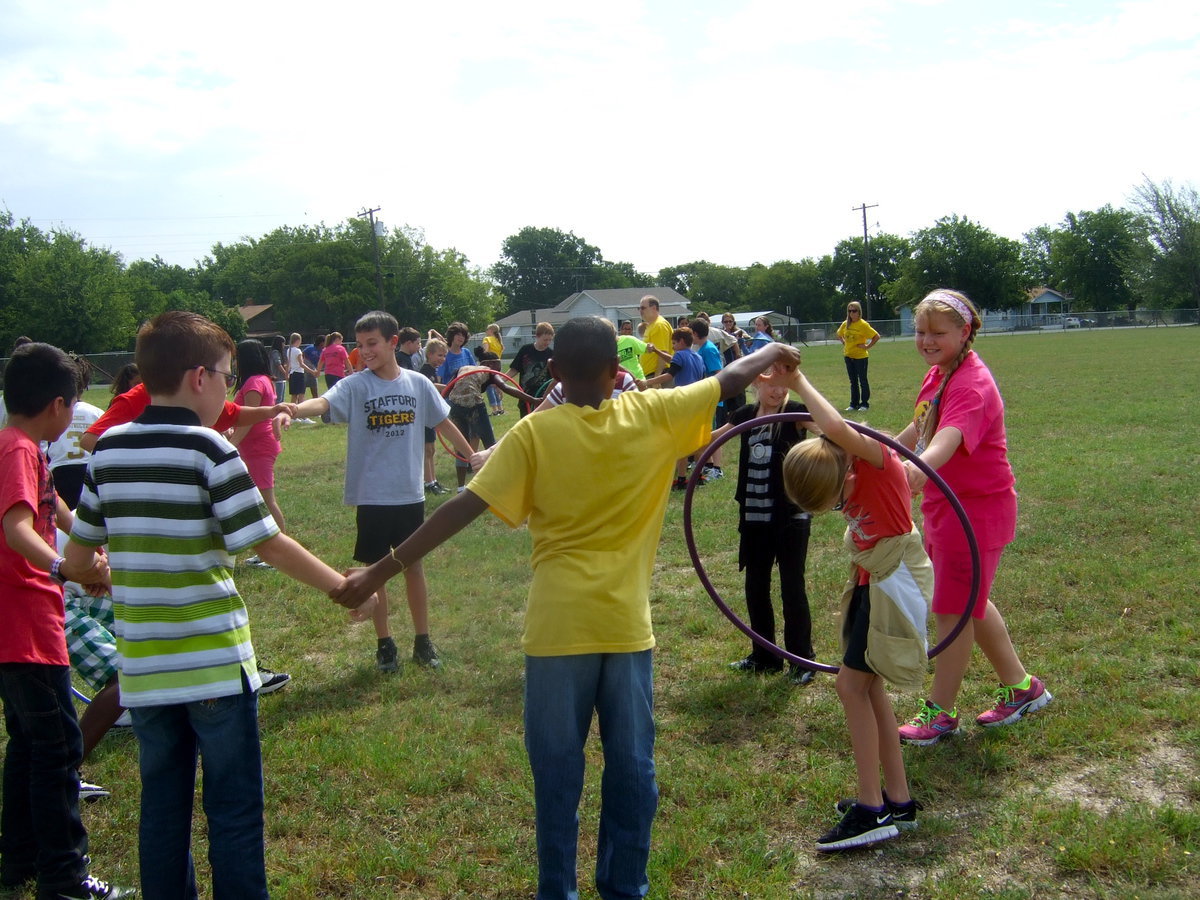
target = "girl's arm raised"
x: 833, y: 426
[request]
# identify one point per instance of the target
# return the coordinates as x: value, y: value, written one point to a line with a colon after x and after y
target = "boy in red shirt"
x: 41, y: 835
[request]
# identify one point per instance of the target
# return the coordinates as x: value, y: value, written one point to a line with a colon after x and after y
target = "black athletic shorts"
x: 380, y: 528
x: 858, y: 620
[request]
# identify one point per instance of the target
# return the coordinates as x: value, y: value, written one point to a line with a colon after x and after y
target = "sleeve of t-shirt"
x: 228, y: 418
x: 505, y: 483
x: 236, y: 503
x: 20, y: 482
x: 438, y: 408
x: 124, y: 408
x: 340, y: 400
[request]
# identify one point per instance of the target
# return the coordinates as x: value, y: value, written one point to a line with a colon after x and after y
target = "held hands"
x: 364, y: 611
x: 916, y: 478
x: 96, y: 579
x: 479, y: 457
x: 356, y: 590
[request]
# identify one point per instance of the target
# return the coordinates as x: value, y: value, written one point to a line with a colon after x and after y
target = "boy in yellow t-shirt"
x: 588, y: 636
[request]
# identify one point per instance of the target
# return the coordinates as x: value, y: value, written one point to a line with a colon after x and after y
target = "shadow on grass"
x: 732, y: 709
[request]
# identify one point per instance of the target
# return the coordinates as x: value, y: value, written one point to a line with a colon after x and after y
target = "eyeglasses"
x: 230, y: 378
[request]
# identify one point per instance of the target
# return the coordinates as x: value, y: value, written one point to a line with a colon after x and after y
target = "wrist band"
x: 56, y: 569
x: 392, y: 554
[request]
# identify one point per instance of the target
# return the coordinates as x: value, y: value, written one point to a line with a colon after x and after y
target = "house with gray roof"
x: 613, y: 304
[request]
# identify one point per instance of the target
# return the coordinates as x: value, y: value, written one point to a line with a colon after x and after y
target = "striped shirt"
x: 174, y: 502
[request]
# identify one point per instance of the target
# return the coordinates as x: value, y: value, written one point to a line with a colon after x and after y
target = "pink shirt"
x: 978, y: 472
x: 260, y: 440
x: 334, y: 359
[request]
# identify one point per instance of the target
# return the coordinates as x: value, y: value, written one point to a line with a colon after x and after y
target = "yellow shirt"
x: 493, y: 344
x: 853, y: 334
x: 658, y: 334
x: 594, y: 538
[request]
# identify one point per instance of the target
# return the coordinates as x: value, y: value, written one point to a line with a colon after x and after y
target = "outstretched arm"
x: 447, y: 520
x: 512, y: 390
x: 833, y: 426
x: 736, y: 377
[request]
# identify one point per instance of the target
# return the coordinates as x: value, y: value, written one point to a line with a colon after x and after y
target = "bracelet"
x: 56, y: 569
x: 392, y: 554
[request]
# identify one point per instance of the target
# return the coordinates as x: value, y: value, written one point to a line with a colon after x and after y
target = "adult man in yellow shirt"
x: 658, y: 333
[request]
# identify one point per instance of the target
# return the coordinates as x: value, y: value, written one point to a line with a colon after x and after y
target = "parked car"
x: 1071, y: 322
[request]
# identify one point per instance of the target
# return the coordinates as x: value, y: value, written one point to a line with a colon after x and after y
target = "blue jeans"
x: 40, y: 830
x: 224, y: 734
x: 860, y: 388
x: 560, y: 694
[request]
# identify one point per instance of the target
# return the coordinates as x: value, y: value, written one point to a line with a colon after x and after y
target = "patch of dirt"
x: 1161, y: 777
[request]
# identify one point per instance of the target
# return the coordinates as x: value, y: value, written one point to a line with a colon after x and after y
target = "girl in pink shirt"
x: 257, y: 444
x: 334, y: 360
x: 958, y: 429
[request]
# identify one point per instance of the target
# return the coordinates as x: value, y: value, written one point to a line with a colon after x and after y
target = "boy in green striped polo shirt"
x: 174, y: 503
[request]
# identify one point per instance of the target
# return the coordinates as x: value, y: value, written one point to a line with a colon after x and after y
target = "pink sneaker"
x: 1011, y: 704
x: 930, y: 725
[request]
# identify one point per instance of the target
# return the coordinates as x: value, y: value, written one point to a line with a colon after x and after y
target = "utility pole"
x: 370, y: 214
x: 866, y: 316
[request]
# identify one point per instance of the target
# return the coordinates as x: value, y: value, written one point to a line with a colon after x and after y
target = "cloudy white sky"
x: 662, y: 131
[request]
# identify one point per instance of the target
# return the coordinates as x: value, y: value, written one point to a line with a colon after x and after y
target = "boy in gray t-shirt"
x: 387, y: 409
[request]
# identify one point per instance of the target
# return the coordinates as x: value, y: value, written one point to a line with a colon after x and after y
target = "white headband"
x: 954, y: 303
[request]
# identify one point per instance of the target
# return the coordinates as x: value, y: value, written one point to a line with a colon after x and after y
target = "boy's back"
x: 593, y: 545
x: 173, y: 501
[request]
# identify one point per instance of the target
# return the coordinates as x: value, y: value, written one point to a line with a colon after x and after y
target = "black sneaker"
x: 799, y: 675
x: 90, y: 888
x: 387, y: 658
x: 859, y: 827
x: 90, y: 793
x: 271, y: 681
x: 424, y: 653
x: 753, y: 666
x: 679, y: 484
x: 904, y: 815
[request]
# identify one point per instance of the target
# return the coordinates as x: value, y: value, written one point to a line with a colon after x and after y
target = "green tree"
x: 540, y: 267
x: 1171, y: 217
x: 794, y: 288
x: 57, y: 289
x: 1093, y: 256
x: 319, y: 278
x: 961, y: 254
x: 711, y: 287
x: 845, y: 269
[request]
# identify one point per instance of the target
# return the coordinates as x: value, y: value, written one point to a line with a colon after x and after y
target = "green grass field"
x: 416, y: 785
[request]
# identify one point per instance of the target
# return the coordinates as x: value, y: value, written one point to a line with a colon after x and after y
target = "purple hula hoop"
x: 976, y: 573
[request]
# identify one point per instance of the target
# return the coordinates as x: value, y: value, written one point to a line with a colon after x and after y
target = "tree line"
x: 56, y: 287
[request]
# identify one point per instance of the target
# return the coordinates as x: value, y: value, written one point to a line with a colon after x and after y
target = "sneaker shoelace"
x: 929, y: 712
x: 1004, y: 695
